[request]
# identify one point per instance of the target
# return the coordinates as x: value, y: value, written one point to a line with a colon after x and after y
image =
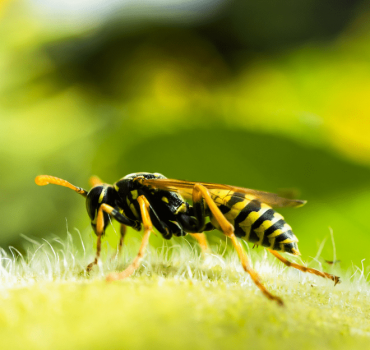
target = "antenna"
x: 43, y: 180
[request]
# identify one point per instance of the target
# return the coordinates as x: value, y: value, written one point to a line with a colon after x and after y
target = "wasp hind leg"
x: 148, y: 227
x: 302, y: 268
x: 200, y: 192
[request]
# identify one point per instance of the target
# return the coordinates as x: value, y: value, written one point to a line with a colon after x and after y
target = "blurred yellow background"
x: 267, y: 95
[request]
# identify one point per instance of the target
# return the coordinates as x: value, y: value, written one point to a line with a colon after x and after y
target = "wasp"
x: 153, y: 201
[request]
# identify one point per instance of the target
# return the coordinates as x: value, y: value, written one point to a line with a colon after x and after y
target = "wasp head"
x: 98, y: 195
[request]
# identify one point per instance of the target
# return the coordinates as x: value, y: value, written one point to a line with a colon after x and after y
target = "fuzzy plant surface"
x: 178, y: 299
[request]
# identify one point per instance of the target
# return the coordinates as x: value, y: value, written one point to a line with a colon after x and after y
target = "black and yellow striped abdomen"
x: 255, y: 221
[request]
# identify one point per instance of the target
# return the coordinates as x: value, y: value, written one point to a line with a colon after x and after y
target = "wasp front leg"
x: 200, y: 192
x: 99, y: 233
x: 148, y: 227
x: 97, y: 181
x: 100, y: 228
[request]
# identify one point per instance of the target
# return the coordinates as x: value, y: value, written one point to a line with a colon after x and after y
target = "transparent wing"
x: 185, y: 189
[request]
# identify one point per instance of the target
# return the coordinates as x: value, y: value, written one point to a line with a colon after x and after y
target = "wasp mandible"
x: 151, y: 200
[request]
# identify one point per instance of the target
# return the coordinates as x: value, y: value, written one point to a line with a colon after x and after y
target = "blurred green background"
x: 261, y: 94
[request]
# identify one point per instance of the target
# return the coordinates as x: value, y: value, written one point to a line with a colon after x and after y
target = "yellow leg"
x: 98, y: 249
x: 302, y: 268
x: 120, y: 244
x: 123, y: 234
x: 144, y: 208
x: 228, y: 229
x: 99, y: 233
x: 254, y: 275
x: 202, y: 240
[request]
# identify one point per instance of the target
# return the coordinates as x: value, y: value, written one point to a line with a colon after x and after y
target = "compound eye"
x: 94, y: 199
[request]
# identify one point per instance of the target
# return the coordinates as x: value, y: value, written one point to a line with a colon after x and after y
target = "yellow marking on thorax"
x: 116, y: 187
x: 102, y: 194
x: 165, y: 199
x: 132, y: 207
x: 181, y: 208
x: 134, y: 194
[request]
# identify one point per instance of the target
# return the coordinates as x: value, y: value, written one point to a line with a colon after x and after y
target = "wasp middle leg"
x: 202, y: 241
x: 122, y: 231
x: 200, y: 192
